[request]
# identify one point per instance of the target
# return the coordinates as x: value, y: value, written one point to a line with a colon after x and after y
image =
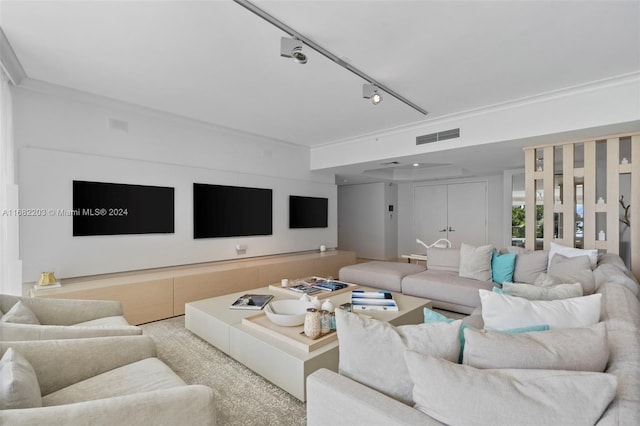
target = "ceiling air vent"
x: 390, y: 163
x: 438, y: 136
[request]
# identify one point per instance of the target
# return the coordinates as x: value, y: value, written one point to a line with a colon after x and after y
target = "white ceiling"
x: 216, y: 62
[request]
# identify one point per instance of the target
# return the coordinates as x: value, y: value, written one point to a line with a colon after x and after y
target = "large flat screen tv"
x: 231, y: 211
x: 308, y: 212
x: 102, y: 208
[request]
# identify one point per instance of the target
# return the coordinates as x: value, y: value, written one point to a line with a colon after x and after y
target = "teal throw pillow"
x: 499, y: 291
x: 432, y: 316
x: 502, y: 267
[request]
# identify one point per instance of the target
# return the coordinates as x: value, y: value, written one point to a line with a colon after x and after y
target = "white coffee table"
x: 276, y: 360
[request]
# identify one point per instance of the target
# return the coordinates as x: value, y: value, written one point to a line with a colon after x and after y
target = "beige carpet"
x: 242, y: 397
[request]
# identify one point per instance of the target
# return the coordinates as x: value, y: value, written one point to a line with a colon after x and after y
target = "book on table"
x: 252, y: 301
x: 372, y: 301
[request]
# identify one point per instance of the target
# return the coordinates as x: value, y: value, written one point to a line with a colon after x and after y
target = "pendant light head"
x: 370, y: 91
x: 292, y: 48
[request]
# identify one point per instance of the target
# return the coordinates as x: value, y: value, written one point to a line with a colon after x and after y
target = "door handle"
x: 451, y: 229
x: 443, y: 230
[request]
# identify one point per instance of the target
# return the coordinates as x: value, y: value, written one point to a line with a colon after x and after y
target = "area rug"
x: 241, y: 396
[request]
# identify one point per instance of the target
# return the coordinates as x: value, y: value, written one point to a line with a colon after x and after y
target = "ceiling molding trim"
x: 9, y: 61
x: 633, y: 77
x: 327, y: 54
x: 55, y: 90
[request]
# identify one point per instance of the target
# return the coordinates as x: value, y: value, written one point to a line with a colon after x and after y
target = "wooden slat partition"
x: 588, y: 173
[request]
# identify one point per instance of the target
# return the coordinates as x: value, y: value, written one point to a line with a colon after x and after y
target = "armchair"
x: 107, y: 381
x: 65, y: 319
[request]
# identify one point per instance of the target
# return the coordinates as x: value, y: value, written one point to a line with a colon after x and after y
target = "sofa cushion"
x: 433, y: 316
x: 576, y: 269
x: 21, y: 314
x: 445, y: 286
x: 580, y: 349
x: 383, y: 275
x: 142, y: 376
x: 509, y: 396
x: 19, y: 386
x: 501, y: 312
x: 443, y: 259
x: 116, y: 321
x: 555, y: 249
x: 475, y: 262
x: 529, y: 264
x: 502, y: 266
x: 534, y: 292
x: 371, y: 350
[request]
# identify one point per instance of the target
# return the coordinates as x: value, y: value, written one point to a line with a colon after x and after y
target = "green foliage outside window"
x: 518, y: 222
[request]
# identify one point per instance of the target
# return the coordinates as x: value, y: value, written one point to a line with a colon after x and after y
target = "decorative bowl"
x: 287, y: 313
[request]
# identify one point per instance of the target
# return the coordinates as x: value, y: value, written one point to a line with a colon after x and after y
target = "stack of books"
x: 373, y: 301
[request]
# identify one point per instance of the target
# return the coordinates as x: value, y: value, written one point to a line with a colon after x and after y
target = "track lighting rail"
x: 324, y: 52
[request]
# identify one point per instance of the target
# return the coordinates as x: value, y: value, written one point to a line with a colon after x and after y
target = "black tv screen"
x: 101, y: 208
x: 231, y: 211
x: 308, y: 212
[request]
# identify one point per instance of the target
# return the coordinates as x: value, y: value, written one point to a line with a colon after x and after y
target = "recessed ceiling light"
x: 416, y: 164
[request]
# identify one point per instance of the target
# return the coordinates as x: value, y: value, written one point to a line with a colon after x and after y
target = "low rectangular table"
x: 283, y: 364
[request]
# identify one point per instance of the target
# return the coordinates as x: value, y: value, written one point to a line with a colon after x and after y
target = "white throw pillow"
x: 573, y: 252
x: 371, y: 351
x: 551, y: 292
x: 21, y: 314
x: 475, y: 262
x: 501, y: 312
x: 461, y: 395
x: 579, y: 349
x: 19, y: 386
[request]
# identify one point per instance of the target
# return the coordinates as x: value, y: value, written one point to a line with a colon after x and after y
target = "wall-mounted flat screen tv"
x: 231, y: 211
x: 308, y: 212
x: 101, y: 208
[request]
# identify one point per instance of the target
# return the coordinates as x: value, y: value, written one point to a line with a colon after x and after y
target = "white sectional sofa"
x: 334, y: 398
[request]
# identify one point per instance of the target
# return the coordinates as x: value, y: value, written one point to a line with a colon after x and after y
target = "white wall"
x: 64, y: 136
x: 365, y: 224
x: 407, y: 234
x: 606, y: 103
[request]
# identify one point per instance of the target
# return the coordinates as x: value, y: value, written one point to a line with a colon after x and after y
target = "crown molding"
x: 9, y: 61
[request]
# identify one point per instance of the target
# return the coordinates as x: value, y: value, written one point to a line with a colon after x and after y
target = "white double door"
x: 457, y: 212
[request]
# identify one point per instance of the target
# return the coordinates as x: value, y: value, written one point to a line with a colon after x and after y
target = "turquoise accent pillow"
x: 432, y: 316
x: 502, y: 266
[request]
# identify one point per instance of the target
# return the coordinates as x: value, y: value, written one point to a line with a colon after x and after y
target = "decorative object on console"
x: 47, y: 278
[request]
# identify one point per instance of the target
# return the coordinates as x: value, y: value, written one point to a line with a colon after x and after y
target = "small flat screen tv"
x: 101, y: 208
x: 308, y: 212
x: 231, y: 211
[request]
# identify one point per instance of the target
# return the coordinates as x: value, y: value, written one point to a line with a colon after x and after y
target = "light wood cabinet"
x: 162, y: 293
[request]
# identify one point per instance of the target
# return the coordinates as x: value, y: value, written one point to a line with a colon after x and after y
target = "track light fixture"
x: 292, y: 48
x: 370, y: 91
